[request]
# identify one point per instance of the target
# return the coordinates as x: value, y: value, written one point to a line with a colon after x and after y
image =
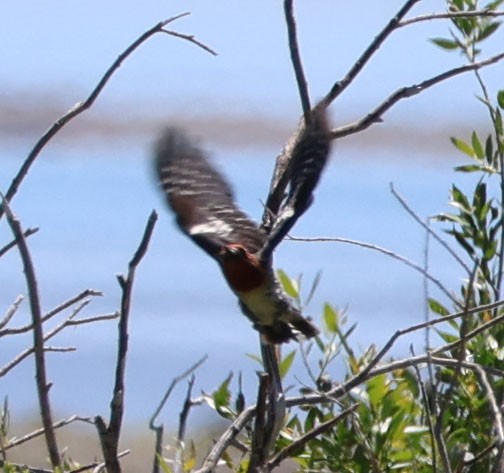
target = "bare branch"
x: 38, y: 336
x: 28, y: 232
x: 109, y: 436
x: 341, y: 85
x: 376, y: 115
x: 72, y: 301
x: 450, y: 16
x: 385, y: 251
x: 226, y: 439
x: 364, y: 375
x: 429, y: 230
x: 191, y: 39
x: 80, y: 107
x: 37, y: 433
x: 296, y: 60
x: 159, y: 429
x: 55, y: 311
x: 469, y: 335
x: 10, y: 312
x: 98, y: 466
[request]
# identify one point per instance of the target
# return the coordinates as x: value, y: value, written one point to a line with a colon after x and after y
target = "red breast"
x: 242, y: 270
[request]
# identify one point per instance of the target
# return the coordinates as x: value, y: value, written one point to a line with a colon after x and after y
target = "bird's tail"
x: 283, y: 331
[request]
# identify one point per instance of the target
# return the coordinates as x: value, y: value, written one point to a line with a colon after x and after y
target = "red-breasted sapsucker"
x: 204, y: 207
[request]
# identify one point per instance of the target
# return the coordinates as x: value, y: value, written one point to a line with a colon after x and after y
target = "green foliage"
x: 413, y: 418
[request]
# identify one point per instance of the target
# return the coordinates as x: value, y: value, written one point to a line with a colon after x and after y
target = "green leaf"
x: 460, y: 198
x: 476, y: 145
x: 222, y: 397
x: 437, y: 307
x: 470, y: 168
x: 254, y: 357
x: 489, y: 153
x: 444, y: 43
x: 500, y: 98
x: 164, y: 465
x: 289, y: 285
x: 463, y: 243
x: 190, y: 461
x: 463, y: 146
x: 286, y: 363
x: 313, y: 288
x: 330, y: 318
x: 487, y: 31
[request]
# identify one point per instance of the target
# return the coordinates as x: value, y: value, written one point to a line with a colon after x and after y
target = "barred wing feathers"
x: 200, y: 197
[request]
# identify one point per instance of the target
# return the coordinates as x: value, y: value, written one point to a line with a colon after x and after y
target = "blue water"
x: 91, y: 208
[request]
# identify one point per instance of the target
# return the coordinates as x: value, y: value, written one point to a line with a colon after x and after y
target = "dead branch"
x: 375, y: 116
x: 189, y: 38
x: 10, y: 312
x: 80, y: 107
x: 226, y: 439
x: 159, y: 429
x: 43, y: 385
x: 37, y: 433
x: 296, y: 60
x: 451, y: 16
x: 384, y: 251
x: 28, y: 232
x: 429, y: 230
x: 109, y: 435
x: 341, y: 85
x: 68, y: 321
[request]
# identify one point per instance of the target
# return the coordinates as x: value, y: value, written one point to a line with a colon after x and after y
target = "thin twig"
x: 109, y: 435
x: 80, y: 107
x: 375, y: 116
x: 38, y: 336
x: 450, y: 16
x: 28, y: 232
x: 429, y: 230
x: 469, y: 335
x: 344, y: 388
x: 159, y: 429
x: 39, y: 432
x: 10, y: 312
x: 385, y: 251
x: 225, y: 439
x: 314, y: 433
x: 55, y: 311
x: 97, y: 467
x: 341, y: 85
x: 296, y: 60
x: 191, y: 39
x: 490, y: 395
x: 184, y: 414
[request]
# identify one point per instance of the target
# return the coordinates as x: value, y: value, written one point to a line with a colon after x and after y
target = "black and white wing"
x: 200, y: 197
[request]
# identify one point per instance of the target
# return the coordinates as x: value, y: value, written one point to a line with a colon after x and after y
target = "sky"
x: 91, y: 188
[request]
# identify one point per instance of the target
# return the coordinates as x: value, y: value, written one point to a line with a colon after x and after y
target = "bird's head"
x: 235, y: 252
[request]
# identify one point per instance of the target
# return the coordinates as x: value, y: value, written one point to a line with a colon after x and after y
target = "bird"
x: 205, y: 210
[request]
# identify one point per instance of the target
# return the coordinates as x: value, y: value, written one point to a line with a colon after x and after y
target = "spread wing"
x: 308, y: 158
x: 200, y: 197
